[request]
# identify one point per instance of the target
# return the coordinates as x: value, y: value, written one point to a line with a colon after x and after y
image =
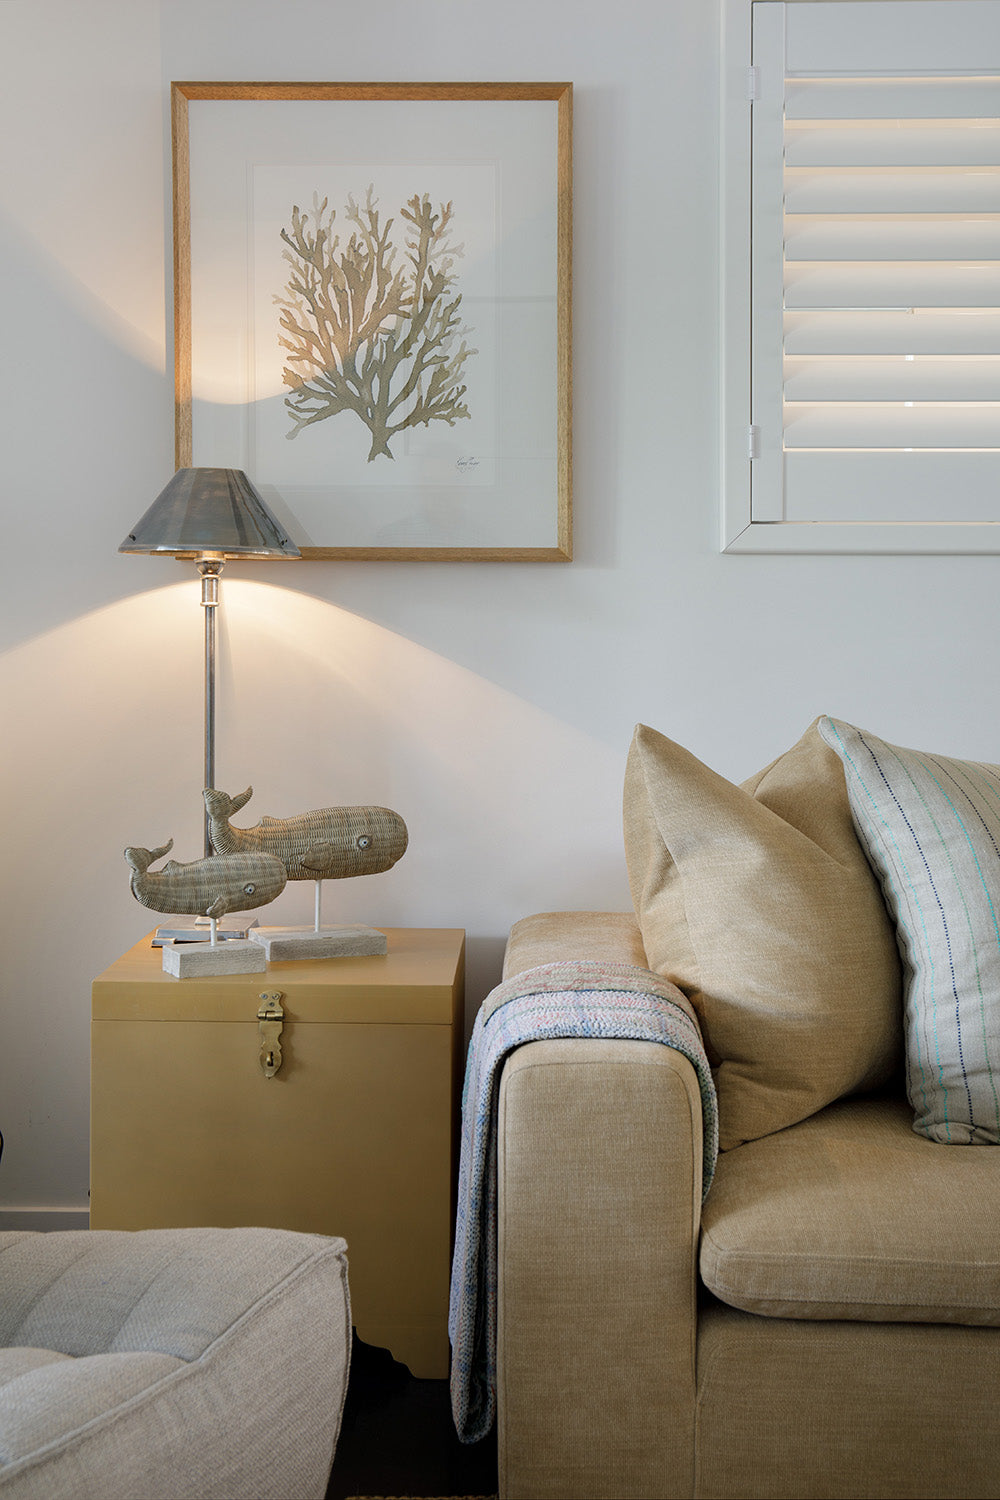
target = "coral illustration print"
x: 365, y: 334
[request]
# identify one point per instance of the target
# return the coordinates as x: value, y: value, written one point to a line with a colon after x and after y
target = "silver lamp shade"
x: 213, y: 511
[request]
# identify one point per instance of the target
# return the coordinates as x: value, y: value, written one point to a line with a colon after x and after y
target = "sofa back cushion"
x: 931, y: 826
x: 759, y: 904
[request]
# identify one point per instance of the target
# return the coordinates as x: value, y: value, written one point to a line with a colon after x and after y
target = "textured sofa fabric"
x: 186, y: 1364
x: 622, y: 1376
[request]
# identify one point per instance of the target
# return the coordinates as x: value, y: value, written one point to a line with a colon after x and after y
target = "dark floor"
x: 397, y: 1436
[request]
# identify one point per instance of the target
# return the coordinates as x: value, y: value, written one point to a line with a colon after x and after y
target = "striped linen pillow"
x: 930, y: 826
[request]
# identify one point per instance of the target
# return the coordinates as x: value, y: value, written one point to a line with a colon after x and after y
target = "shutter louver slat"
x: 892, y: 425
x: 891, y: 190
x: 927, y: 331
x: 916, y: 237
x: 866, y: 143
x: 899, y: 378
x: 970, y: 98
x: 863, y: 284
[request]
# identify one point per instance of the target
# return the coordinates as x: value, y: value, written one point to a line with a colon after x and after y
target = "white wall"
x: 492, y: 705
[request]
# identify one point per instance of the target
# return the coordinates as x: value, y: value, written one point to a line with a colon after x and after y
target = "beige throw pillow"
x: 758, y: 902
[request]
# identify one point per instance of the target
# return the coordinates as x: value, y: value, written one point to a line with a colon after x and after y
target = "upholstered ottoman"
x: 172, y: 1363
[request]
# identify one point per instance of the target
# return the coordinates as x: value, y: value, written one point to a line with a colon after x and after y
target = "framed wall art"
x: 372, y: 310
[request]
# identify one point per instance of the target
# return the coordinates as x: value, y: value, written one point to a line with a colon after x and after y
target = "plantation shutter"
x: 875, y: 264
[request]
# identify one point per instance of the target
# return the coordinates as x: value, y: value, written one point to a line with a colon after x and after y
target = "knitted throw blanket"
x: 580, y: 999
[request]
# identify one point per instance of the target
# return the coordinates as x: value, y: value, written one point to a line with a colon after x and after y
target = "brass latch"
x: 270, y: 1016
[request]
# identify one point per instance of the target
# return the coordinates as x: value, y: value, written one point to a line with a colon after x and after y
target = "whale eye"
x: 249, y: 890
x: 363, y: 841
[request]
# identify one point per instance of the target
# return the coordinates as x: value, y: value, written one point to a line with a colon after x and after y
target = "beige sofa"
x: 826, y: 1322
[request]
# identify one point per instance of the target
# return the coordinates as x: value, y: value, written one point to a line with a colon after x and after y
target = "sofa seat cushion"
x: 850, y: 1214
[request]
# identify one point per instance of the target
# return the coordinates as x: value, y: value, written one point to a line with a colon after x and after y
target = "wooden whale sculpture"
x: 206, y: 887
x: 330, y: 843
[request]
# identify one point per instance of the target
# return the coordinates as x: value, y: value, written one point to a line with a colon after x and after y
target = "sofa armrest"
x: 552, y: 937
x: 599, y: 1182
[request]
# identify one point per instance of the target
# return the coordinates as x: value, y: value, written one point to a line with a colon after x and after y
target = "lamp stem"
x: 209, y: 568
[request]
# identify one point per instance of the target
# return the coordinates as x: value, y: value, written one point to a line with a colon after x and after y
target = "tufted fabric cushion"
x: 112, y: 1291
x: 17, y: 1362
x: 62, y: 1395
x: 759, y: 904
x: 171, y: 1364
x: 850, y: 1214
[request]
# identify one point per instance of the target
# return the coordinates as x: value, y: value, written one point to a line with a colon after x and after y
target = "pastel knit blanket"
x: 580, y: 999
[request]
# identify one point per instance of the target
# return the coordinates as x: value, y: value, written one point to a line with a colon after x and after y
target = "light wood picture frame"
x: 372, y: 311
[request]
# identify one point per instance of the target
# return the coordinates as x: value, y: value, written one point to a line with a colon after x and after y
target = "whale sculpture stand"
x: 194, y: 960
x: 349, y: 940
x: 209, y: 887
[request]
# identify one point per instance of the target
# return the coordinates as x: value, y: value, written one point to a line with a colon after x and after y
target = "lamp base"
x: 353, y: 941
x: 193, y: 960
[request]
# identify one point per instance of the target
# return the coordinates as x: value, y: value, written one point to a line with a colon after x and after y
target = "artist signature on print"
x: 466, y: 465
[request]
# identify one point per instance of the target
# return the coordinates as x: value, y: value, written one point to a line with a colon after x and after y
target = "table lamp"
x: 209, y: 516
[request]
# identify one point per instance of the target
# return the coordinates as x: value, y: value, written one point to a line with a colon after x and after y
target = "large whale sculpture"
x: 206, y: 887
x: 330, y: 843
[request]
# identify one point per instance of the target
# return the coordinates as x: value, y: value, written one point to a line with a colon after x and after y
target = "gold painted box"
x: 355, y: 1134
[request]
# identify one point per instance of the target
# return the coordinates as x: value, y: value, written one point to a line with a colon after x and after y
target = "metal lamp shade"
x: 213, y: 511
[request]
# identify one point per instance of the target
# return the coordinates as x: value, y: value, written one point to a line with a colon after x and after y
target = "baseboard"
x: 44, y: 1218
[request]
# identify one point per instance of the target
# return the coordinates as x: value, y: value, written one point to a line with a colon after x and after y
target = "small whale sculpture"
x: 330, y: 843
x: 205, y: 887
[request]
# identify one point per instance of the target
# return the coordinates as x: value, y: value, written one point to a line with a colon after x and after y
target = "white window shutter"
x: 874, y: 302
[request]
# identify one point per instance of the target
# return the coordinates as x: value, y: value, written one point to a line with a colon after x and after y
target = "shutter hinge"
x: 753, y: 441
x: 753, y: 83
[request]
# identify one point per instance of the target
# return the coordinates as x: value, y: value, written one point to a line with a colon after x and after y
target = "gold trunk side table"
x: 321, y: 1096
